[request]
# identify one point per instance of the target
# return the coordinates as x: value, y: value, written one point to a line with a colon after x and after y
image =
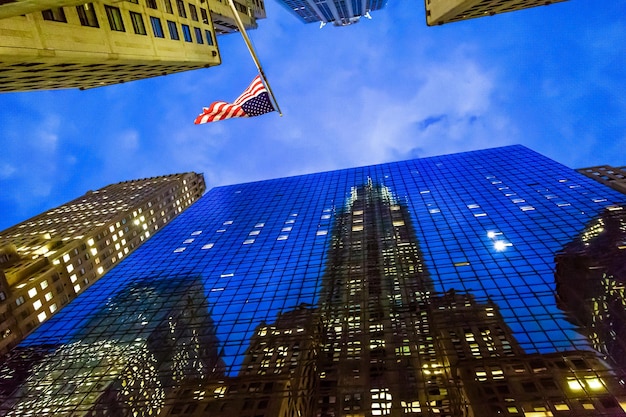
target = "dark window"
x: 133, y: 1
x: 138, y: 24
x: 56, y: 15
x: 157, y: 28
x: 115, y: 18
x: 209, y: 37
x: 205, y: 16
x: 168, y: 6
x: 181, y: 8
x: 193, y: 12
x: 87, y: 15
x: 173, y: 30
x: 198, y: 35
x: 151, y: 4
x: 187, y: 33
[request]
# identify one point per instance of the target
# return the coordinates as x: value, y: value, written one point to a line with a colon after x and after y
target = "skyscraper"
x: 49, y: 259
x: 423, y: 287
x: 439, y: 12
x: 56, y: 44
x: 337, y: 12
x: 614, y: 177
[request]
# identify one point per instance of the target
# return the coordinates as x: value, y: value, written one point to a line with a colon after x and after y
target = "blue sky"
x: 391, y: 88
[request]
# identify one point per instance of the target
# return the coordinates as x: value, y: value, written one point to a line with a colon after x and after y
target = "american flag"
x: 254, y: 101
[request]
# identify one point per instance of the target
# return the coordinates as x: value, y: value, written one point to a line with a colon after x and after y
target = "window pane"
x: 115, y: 18
x: 198, y: 35
x: 157, y: 28
x: 168, y: 6
x: 173, y: 30
x: 87, y: 15
x: 57, y: 15
x: 138, y: 25
x: 181, y: 8
x: 187, y: 33
x: 193, y: 12
x: 151, y: 4
x: 209, y: 37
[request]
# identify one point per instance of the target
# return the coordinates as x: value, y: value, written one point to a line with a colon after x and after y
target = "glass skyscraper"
x: 486, y: 283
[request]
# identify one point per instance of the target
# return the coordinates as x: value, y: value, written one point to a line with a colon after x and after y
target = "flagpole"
x: 242, y: 29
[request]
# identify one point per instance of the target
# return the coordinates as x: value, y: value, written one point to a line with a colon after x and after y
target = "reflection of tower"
x: 149, y: 338
x: 379, y: 352
x: 591, y: 279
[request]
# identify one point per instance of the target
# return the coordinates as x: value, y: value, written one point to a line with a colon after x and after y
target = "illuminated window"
x: 42, y: 316
x: 208, y: 246
x: 37, y: 305
x: 32, y: 292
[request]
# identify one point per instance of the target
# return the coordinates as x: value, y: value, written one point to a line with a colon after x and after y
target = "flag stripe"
x: 254, y: 97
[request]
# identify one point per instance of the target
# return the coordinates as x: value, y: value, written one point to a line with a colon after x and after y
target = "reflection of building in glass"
x: 339, y: 13
x: 591, y: 279
x: 49, y: 259
x: 430, y: 292
x: 439, y: 12
x: 149, y: 338
x: 614, y: 177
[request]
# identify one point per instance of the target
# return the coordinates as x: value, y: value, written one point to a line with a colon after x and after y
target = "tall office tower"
x: 590, y: 277
x: 614, y: 177
x: 49, y: 259
x: 339, y: 13
x: 439, y: 12
x: 57, y: 44
x: 423, y: 287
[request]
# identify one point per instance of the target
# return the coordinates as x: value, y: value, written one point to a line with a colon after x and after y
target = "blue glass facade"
x: 448, y: 243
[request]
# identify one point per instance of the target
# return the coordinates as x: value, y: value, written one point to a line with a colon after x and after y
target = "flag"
x: 254, y: 101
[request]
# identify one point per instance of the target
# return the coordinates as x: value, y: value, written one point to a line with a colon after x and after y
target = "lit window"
x: 42, y: 316
x: 196, y: 233
x: 282, y: 237
x: 188, y: 241
x: 208, y: 246
x: 248, y: 241
x: 44, y: 285
x: 178, y: 250
x: 48, y: 296
x: 322, y: 232
x: 76, y: 288
x: 37, y: 305
x: 53, y: 308
x: 32, y: 292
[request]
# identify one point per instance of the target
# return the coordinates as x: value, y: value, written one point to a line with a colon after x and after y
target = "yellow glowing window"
x: 37, y: 305
x: 53, y: 308
x: 100, y: 270
x: 561, y: 407
x: 588, y: 405
x: 32, y: 292
x: 357, y: 228
x: 594, y: 383
x: 42, y: 316
x: 77, y: 288
x: 574, y: 384
x: 66, y: 257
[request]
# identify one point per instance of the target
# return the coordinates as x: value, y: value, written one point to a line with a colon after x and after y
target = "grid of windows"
x: 423, y: 286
